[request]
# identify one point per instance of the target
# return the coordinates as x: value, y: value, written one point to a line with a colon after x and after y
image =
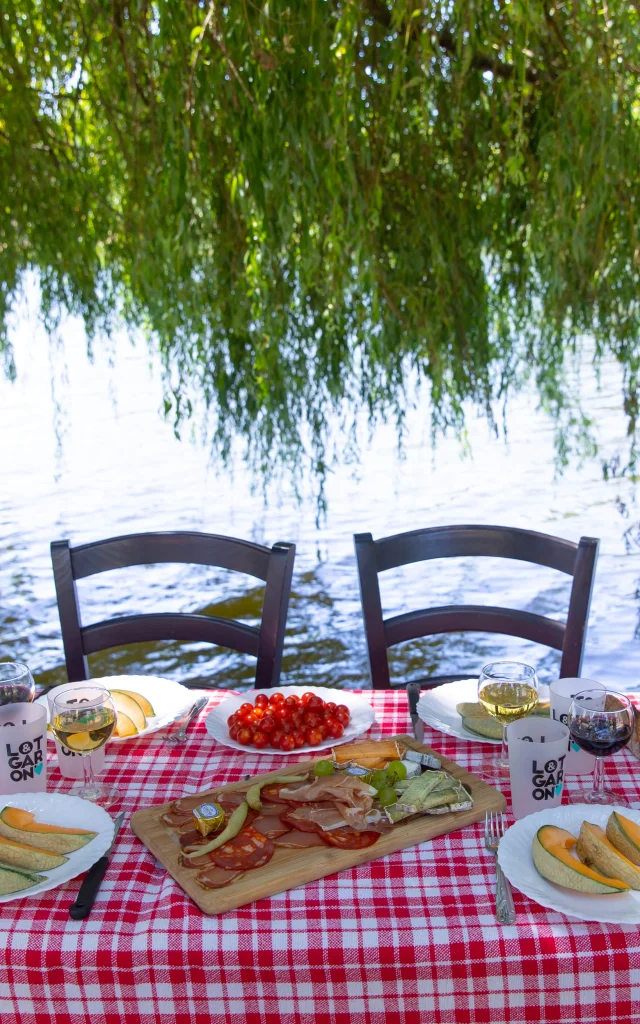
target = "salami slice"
x: 215, y: 878
x: 249, y: 849
x: 271, y: 794
x: 348, y: 839
x: 297, y: 840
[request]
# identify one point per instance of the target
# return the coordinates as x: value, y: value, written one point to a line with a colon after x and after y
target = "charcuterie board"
x: 290, y: 868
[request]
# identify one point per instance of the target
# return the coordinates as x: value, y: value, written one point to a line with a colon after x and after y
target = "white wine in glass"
x: 508, y: 691
x: 83, y: 719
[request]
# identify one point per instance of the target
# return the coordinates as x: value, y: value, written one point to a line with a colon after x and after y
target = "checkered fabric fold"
x: 409, y: 937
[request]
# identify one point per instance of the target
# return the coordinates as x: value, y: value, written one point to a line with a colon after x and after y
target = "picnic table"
x: 412, y: 936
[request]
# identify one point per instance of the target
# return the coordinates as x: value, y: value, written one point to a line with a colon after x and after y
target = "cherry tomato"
x: 287, y: 727
x: 341, y: 716
x: 337, y: 729
x: 330, y: 706
x: 291, y: 702
x: 297, y: 717
x: 246, y: 707
x: 287, y: 743
x: 268, y: 723
x: 306, y: 697
x: 262, y: 700
x: 276, y: 698
x: 322, y: 728
x: 232, y: 720
x: 314, y: 736
x: 257, y: 714
x: 298, y: 738
x: 244, y: 736
x: 260, y: 739
x: 312, y: 719
x: 315, y: 701
x: 233, y: 732
x: 282, y: 713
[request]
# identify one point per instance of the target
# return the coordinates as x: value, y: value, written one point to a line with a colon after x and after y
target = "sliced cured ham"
x: 297, y: 840
x: 269, y: 825
x: 344, y: 789
x: 215, y: 878
x: 309, y: 818
x: 195, y: 862
x: 176, y: 819
x: 192, y: 838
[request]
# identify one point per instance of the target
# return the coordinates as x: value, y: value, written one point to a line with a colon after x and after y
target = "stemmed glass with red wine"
x: 600, y: 722
x: 16, y: 683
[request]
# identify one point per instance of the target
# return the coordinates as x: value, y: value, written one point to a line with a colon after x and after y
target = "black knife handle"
x: 88, y: 890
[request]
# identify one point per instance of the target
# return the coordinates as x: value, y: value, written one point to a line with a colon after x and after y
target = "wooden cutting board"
x: 290, y: 868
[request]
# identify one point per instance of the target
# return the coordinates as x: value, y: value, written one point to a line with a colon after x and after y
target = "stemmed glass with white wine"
x: 508, y: 691
x: 83, y: 719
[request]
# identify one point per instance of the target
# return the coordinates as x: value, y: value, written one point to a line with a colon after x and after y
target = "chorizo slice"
x: 348, y: 839
x: 269, y: 825
x: 297, y: 840
x: 249, y: 849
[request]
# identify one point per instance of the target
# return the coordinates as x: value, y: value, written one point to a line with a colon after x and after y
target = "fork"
x: 494, y: 829
x: 174, y: 739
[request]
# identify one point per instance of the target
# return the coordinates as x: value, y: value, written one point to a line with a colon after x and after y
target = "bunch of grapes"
x: 288, y: 723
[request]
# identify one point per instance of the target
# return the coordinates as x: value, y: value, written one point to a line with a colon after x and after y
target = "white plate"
x: 362, y: 717
x: 437, y: 708
x: 516, y: 860
x: 68, y: 811
x: 170, y: 700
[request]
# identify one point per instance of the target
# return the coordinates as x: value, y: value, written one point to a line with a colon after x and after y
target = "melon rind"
x: 618, y: 835
x: 555, y: 870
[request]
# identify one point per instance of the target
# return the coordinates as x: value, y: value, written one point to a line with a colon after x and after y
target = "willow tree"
x: 310, y: 204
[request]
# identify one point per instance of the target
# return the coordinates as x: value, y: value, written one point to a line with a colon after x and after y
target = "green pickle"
x: 323, y: 768
x: 396, y: 772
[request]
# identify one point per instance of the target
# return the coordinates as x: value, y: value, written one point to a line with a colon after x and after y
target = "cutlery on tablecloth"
x: 413, y: 696
x: 173, y: 739
x: 89, y: 888
x: 494, y: 829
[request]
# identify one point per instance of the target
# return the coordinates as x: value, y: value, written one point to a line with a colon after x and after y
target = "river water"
x: 86, y: 455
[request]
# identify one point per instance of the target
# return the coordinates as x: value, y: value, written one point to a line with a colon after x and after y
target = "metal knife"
x: 89, y: 888
x: 413, y: 696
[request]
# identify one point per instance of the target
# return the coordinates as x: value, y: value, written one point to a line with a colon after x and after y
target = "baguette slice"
x: 14, y: 879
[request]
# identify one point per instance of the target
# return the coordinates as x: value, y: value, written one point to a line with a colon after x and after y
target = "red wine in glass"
x: 601, y: 723
x: 16, y: 683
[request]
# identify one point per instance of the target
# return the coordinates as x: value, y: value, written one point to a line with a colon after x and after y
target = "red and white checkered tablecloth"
x: 410, y: 937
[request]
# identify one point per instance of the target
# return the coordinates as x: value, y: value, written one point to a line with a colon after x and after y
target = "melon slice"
x: 124, y: 726
x: 625, y: 836
x: 20, y: 826
x: 14, y: 879
x: 596, y: 851
x: 552, y: 856
x: 21, y: 855
x: 146, y: 705
x: 129, y: 707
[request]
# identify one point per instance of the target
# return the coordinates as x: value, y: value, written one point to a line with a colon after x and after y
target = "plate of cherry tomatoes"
x: 290, y: 718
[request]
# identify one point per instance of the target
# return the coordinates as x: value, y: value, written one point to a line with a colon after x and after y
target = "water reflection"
x: 119, y: 469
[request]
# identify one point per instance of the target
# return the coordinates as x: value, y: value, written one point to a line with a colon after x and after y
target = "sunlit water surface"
x: 86, y: 455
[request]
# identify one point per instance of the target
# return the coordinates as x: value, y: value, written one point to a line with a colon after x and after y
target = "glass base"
x: 493, y: 771
x: 601, y: 799
x: 98, y: 793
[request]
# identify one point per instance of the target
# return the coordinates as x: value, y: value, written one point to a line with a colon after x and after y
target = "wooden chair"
x: 373, y: 557
x: 273, y: 565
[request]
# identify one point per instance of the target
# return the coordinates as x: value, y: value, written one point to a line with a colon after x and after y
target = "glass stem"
x: 87, y: 767
x: 598, y: 775
x: 504, y: 752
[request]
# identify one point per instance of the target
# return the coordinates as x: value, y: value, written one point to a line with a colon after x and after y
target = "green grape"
x: 323, y: 768
x: 379, y: 779
x: 387, y: 796
x: 396, y: 772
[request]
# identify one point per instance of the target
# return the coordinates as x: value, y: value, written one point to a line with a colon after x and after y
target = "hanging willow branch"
x: 310, y: 204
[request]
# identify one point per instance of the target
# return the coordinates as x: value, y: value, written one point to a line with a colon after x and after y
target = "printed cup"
x: 69, y: 762
x: 537, y: 755
x: 561, y: 693
x: 23, y: 748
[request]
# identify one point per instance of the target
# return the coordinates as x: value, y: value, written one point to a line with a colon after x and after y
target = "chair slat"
x: 470, y: 618
x: 129, y: 629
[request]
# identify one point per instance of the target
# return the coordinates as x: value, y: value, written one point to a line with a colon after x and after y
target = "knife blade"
x: 413, y: 696
x: 89, y: 888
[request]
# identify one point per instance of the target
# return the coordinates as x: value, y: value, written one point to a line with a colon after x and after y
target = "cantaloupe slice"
x: 596, y: 851
x: 129, y: 707
x: 625, y: 836
x: 14, y: 879
x: 552, y: 856
x: 146, y: 705
x: 20, y: 826
x: 21, y: 855
x: 124, y: 726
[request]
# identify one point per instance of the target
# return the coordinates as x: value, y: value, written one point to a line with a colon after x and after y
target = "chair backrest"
x: 373, y: 557
x: 273, y: 565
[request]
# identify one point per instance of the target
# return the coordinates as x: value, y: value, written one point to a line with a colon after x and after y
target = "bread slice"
x: 14, y: 879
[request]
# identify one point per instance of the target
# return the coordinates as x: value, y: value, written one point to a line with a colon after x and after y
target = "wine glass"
x: 83, y: 719
x: 508, y: 691
x: 16, y: 683
x: 600, y: 722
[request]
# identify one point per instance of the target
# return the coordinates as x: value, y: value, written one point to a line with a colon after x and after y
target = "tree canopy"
x: 309, y: 204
